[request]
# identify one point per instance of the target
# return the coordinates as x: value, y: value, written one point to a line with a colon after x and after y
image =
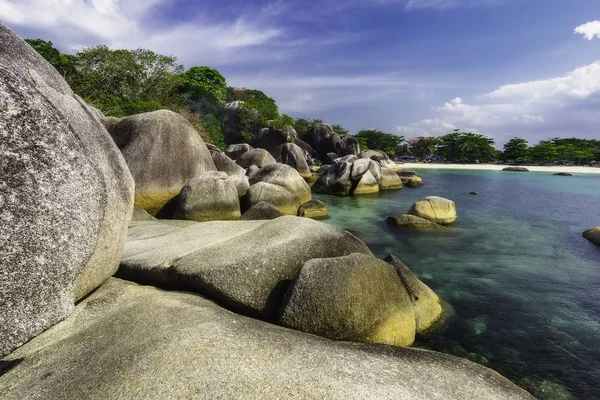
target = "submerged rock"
x: 413, y: 222
x: 246, y: 265
x: 356, y: 297
x: 593, y: 235
x: 516, y: 169
x: 563, y: 174
x: 436, y: 209
x: 314, y: 209
x: 163, y: 152
x: 410, y: 179
x: 204, y: 351
x: 66, y: 196
x: 209, y: 197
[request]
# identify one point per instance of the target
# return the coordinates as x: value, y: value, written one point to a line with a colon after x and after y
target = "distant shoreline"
x: 489, y: 167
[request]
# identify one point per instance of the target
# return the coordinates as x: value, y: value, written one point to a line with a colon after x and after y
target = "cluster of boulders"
x: 429, y: 213
x: 66, y: 204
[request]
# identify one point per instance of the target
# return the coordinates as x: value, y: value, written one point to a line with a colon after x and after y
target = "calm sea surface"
x: 520, y: 283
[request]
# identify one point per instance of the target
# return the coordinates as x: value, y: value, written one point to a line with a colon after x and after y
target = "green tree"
x: 257, y: 100
x: 203, y: 85
x: 63, y: 63
x: 466, y: 147
x: 337, y: 128
x: 423, y: 146
x: 543, y: 152
x: 304, y: 126
x: 516, y: 149
x: 378, y: 140
x: 288, y: 120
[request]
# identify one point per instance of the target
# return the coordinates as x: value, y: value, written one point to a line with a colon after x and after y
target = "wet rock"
x: 314, y: 209
x: 413, y: 222
x: 436, y: 209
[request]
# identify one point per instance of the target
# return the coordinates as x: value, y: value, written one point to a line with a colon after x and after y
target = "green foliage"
x: 288, y: 120
x: 212, y: 124
x: 204, y: 84
x: 63, y: 63
x: 250, y: 122
x: 378, y: 140
x: 340, y: 129
x: 466, y: 147
x: 255, y: 99
x: 304, y: 126
x: 423, y: 146
x: 544, y: 152
x: 123, y: 106
x: 516, y: 149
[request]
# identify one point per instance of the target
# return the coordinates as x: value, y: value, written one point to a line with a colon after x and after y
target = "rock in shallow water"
x: 516, y: 169
x: 66, y: 196
x: 315, y: 209
x: 413, y: 222
x: 436, y: 209
x: 158, y: 345
x: 247, y: 265
x: 593, y: 235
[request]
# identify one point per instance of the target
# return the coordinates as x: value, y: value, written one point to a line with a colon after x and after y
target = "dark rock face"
x: 410, y: 179
x: 355, y: 297
x: 205, y: 352
x: 163, y: 152
x: 66, y: 196
x: 235, y: 151
x: 271, y: 138
x: 309, y: 153
x: 258, y: 157
x: 246, y: 265
x: 261, y: 211
x: 382, y: 158
x: 516, y: 169
x: 593, y: 235
x: 292, y: 155
x: 231, y: 121
x: 563, y: 174
x: 209, y: 197
x: 324, y: 140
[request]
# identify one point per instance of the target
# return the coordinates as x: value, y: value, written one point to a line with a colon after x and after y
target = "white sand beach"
x: 490, y: 167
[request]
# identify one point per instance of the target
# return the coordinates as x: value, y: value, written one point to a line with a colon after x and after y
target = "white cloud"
x: 561, y: 106
x: 125, y: 24
x: 589, y: 30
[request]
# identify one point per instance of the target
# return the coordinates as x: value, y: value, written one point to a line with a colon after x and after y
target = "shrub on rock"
x: 355, y: 297
x: 66, y: 196
x: 163, y: 152
x: 209, y: 197
x: 436, y: 209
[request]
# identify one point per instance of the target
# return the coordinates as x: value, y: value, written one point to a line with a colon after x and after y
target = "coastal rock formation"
x: 314, y: 209
x: 410, y: 179
x: 109, y: 122
x: 389, y: 180
x: 413, y: 222
x: 335, y: 179
x: 280, y: 185
x: 231, y: 121
x: 355, y: 297
x: 593, y: 235
x: 261, y: 210
x: 436, y: 209
x: 292, y: 155
x: 258, y: 157
x: 141, y: 215
x: 241, y: 183
x: 163, y: 153
x: 516, y: 169
x: 66, y: 196
x: 367, y: 184
x: 200, y: 350
x: 271, y: 138
x: 235, y: 151
x: 563, y: 174
x: 426, y: 303
x: 209, y: 197
x: 382, y: 158
x: 225, y: 164
x: 245, y: 265
x: 325, y: 142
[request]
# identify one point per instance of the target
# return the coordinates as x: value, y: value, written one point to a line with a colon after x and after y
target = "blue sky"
x: 504, y: 68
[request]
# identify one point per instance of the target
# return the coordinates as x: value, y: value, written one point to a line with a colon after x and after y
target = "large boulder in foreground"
x: 426, y: 303
x: 209, y: 197
x: 593, y: 235
x: 172, y: 345
x: 66, y: 196
x: 163, y: 152
x: 436, y: 209
x: 246, y: 265
x: 280, y: 185
x: 355, y: 297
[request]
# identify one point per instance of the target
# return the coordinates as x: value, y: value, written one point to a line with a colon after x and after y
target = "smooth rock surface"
x: 261, y: 210
x: 292, y: 155
x: 356, y: 298
x: 136, y: 342
x: 225, y: 164
x: 258, y: 157
x: 235, y: 151
x: 367, y: 184
x: 163, y: 152
x: 382, y: 158
x: 389, y: 180
x: 280, y: 185
x: 209, y: 197
x: 410, y: 179
x: 426, y: 303
x: 436, y: 209
x: 246, y: 265
x: 593, y: 235
x: 314, y: 209
x: 66, y: 196
x: 413, y: 222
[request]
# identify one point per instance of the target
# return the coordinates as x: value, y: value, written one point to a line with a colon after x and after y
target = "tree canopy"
x: 378, y: 140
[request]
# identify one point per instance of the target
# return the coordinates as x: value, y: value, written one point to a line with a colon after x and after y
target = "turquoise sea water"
x: 520, y: 283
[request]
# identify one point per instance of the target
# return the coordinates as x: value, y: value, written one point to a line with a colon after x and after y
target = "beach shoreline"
x: 490, y: 167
